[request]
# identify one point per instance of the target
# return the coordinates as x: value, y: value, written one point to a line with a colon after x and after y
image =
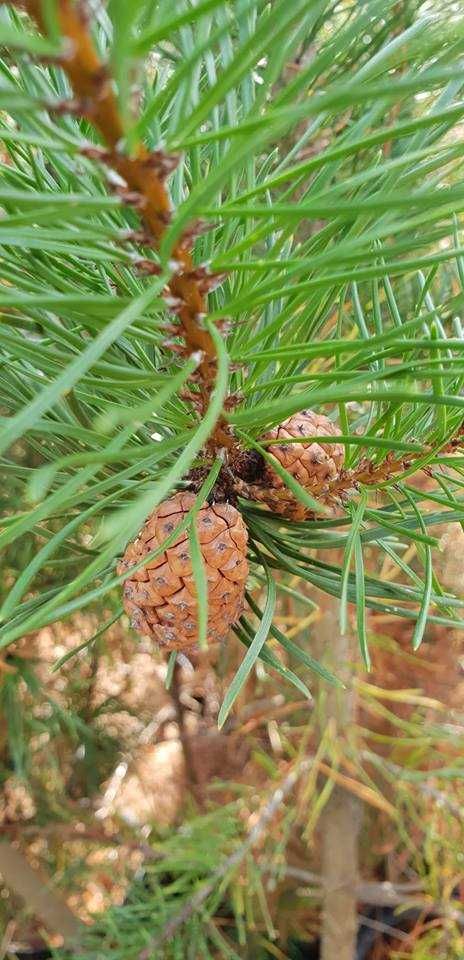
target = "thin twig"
x: 381, y: 927
x: 183, y: 733
x: 423, y: 786
x: 367, y: 473
x: 383, y: 894
x: 67, y: 832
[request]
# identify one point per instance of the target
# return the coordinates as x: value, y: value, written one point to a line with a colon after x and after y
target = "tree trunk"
x: 341, y: 819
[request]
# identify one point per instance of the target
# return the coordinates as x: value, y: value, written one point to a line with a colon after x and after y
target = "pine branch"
x: 347, y: 482
x: 144, y: 176
x: 331, y: 310
x: 392, y: 468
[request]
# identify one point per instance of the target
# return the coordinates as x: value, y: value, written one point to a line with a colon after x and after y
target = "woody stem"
x: 368, y: 474
x: 190, y: 771
x: 145, y: 174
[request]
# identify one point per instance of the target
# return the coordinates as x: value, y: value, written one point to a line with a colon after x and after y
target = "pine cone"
x: 312, y: 464
x: 161, y: 597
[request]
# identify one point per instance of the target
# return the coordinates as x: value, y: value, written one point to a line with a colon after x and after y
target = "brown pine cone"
x: 160, y: 598
x: 314, y: 465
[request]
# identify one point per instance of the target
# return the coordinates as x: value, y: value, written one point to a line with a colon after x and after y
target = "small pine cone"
x: 312, y: 464
x: 160, y: 598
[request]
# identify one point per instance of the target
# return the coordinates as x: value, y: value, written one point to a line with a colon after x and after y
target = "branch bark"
x: 144, y: 173
x: 184, y: 737
x: 341, y: 819
x: 34, y: 888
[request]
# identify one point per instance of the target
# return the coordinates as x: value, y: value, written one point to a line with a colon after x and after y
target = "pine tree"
x: 230, y: 228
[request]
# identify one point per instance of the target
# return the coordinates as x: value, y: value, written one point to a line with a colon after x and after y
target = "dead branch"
x: 35, y: 889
